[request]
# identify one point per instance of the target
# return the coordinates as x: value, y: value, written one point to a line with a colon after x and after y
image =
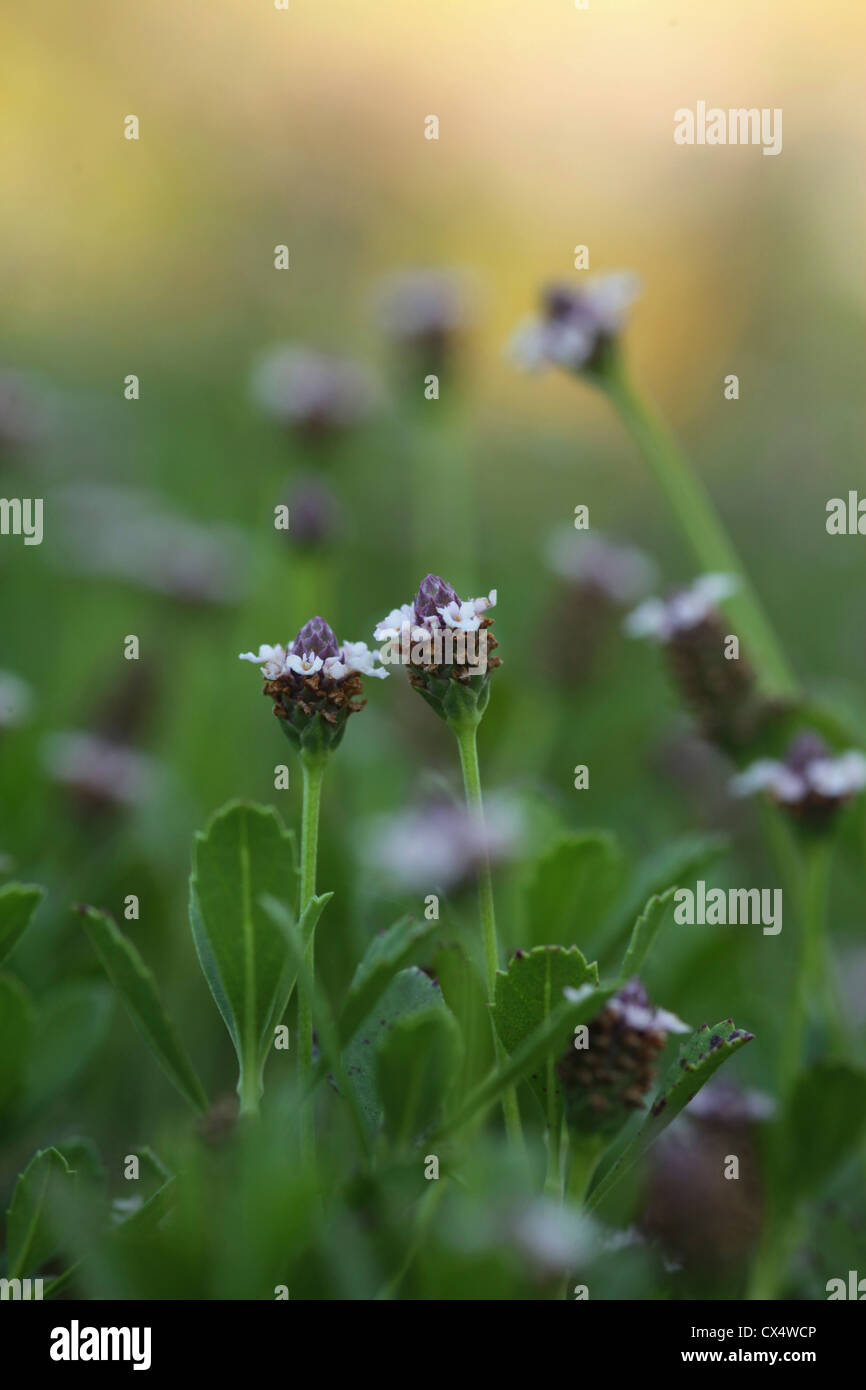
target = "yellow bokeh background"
x: 306, y: 127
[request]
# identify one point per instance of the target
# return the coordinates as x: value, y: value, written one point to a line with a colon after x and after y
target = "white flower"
x: 644, y: 1018
x: 272, y: 660
x: 683, y: 610
x: 306, y: 664
x: 392, y: 625
x: 358, y: 657
x: 574, y: 322
x: 619, y: 572
x: 824, y: 776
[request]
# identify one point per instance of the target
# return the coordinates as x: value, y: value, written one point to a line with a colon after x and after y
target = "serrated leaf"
x: 137, y: 988
x: 571, y: 887
x: 16, y: 1031
x: 824, y: 1122
x: 526, y: 994
x: 644, y: 933
x: 18, y: 902
x: 415, y: 1064
x: 387, y: 953
x: 243, y: 856
x: 410, y: 991
x: 73, y: 1019
x: 31, y: 1237
x: 699, y: 1057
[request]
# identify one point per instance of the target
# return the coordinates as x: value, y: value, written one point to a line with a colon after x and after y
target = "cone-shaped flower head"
x: 446, y: 645
x: 577, y: 327
x: 603, y: 1083
x: 811, y: 783
x: 720, y: 689
x: 315, y: 683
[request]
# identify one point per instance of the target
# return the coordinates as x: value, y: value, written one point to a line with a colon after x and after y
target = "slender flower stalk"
x: 579, y: 330
x: 313, y: 770
x: 455, y: 681
x: 315, y: 684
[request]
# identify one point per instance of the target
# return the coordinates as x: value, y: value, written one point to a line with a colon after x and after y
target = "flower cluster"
x: 811, y: 782
x: 315, y: 683
x: 446, y: 644
x: 577, y: 327
x: 720, y: 690
x: 604, y: 1083
x: 313, y: 393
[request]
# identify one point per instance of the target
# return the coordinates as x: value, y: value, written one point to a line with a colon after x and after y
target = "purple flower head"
x: 576, y: 325
x: 605, y: 1082
x: 811, y: 782
x: 433, y: 593
x: 316, y: 638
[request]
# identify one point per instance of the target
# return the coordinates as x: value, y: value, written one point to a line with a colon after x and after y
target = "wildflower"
x: 423, y: 312
x: 615, y: 572
x: 577, y: 327
x: 440, y: 844
x: 429, y: 635
x: 719, y: 689
x: 604, y: 1083
x: 16, y: 699
x: 811, y: 782
x: 102, y: 774
x: 313, y: 393
x: 315, y: 683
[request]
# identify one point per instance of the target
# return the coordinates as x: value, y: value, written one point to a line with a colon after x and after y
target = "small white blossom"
x: 685, y: 609
x: 305, y: 664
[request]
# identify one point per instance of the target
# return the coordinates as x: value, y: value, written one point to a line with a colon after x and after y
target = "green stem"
x: 810, y: 993
x: 466, y: 734
x: 701, y: 526
x: 313, y: 768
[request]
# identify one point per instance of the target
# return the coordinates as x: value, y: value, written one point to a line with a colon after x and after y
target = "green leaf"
x: 410, y: 991
x: 467, y: 999
x: 547, y: 1041
x: 31, y: 1237
x: 570, y: 888
x: 644, y: 933
x: 699, y: 1057
x: 823, y: 1124
x: 386, y: 954
x: 16, y: 1030
x: 670, y: 867
x: 137, y: 988
x: 526, y: 994
x: 18, y: 902
x: 415, y: 1063
x: 245, y: 854
x: 73, y: 1019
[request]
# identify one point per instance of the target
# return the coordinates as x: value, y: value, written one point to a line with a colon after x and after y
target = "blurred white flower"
x: 621, y: 573
x: 662, y: 619
x: 94, y: 767
x: 439, y: 844
x: 300, y: 387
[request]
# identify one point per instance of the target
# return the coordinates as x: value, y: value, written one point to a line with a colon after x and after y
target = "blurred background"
x: 155, y: 257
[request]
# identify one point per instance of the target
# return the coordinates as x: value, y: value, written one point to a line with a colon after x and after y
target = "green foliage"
x: 244, y: 854
x: 137, y: 988
x: 18, y: 902
x: 699, y: 1057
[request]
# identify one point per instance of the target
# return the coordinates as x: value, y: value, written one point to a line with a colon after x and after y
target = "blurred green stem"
x: 313, y: 769
x: 811, y: 992
x: 700, y: 524
x: 466, y: 735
